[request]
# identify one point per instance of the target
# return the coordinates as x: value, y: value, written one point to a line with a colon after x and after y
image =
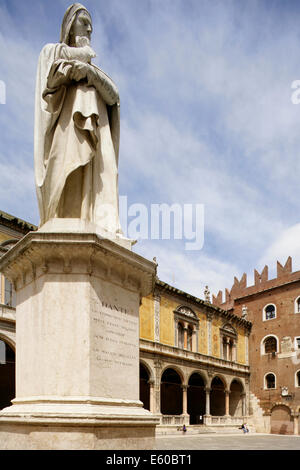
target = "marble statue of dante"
x: 77, y: 129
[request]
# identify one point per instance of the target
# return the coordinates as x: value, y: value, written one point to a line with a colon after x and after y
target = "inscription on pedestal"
x: 115, y: 330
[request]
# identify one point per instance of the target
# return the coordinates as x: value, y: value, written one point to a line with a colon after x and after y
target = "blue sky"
x: 206, y: 118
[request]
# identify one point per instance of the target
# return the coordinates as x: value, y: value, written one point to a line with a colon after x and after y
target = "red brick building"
x: 273, y: 308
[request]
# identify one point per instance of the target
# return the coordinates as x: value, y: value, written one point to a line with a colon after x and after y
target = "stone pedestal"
x: 77, y: 336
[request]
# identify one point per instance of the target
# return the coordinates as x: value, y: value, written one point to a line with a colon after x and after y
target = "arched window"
x: 228, y: 336
x: 270, y: 381
x: 297, y: 378
x: 186, y: 324
x: 297, y: 305
x: 270, y: 344
x: 171, y: 393
x: 269, y: 312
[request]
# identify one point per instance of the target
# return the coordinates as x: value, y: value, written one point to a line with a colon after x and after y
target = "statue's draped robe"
x: 76, y: 144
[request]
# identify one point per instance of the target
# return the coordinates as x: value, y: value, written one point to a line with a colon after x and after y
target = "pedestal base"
x: 76, y: 425
x: 31, y: 435
x: 77, y: 330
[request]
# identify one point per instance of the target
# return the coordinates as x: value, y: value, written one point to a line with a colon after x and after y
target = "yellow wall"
x: 147, y: 318
x: 202, y: 334
x: 217, y: 323
x: 4, y: 236
x: 167, y: 332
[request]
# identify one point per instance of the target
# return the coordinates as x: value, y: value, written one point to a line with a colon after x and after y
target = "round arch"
x: 240, y: 381
x: 297, y: 379
x: 176, y: 369
x: 270, y: 381
x: 9, y: 341
x: 199, y: 372
x: 218, y: 386
x: 297, y: 305
x: 7, y: 371
x: 145, y: 385
x: 281, y: 419
x: 196, y: 397
x: 269, y: 312
x: 280, y: 403
x: 171, y: 392
x: 222, y: 378
x: 262, y: 343
x: 236, y: 397
x: 148, y: 368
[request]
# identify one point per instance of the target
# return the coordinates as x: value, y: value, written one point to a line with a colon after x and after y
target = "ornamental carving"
x: 228, y: 329
x: 187, y: 312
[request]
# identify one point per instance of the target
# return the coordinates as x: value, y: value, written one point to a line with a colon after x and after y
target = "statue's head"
x: 77, y: 22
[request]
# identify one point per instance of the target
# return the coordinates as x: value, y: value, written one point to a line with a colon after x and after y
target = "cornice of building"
x: 208, y: 307
x: 16, y: 224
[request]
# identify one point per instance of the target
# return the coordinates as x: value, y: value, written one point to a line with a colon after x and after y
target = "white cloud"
x: 190, y: 273
x: 206, y: 118
x: 286, y: 244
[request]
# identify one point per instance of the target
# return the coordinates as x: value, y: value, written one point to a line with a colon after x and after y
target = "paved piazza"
x: 228, y: 442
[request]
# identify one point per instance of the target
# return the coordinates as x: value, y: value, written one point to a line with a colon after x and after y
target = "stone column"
x: 207, y: 400
x: 185, y: 338
x: 227, y: 393
x: 186, y: 416
x: 234, y: 351
x: 158, y: 367
x: 194, y: 339
x: 296, y: 423
x: 227, y: 348
x: 152, y: 404
x: 207, y: 416
x: 184, y: 399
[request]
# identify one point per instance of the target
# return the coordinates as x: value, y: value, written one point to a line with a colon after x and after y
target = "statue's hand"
x: 79, y: 71
x: 89, y: 52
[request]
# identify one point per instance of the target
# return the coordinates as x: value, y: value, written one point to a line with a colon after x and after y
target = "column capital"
x: 158, y: 364
x: 209, y: 315
x: 207, y: 389
x: 156, y: 296
x: 184, y: 387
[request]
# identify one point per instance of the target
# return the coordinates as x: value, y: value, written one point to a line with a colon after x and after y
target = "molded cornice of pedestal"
x: 77, y: 253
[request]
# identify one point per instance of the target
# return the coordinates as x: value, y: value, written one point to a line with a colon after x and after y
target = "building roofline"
x: 15, y: 223
x: 227, y: 314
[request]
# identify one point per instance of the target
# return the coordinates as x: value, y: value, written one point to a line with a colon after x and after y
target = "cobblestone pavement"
x: 228, y: 442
